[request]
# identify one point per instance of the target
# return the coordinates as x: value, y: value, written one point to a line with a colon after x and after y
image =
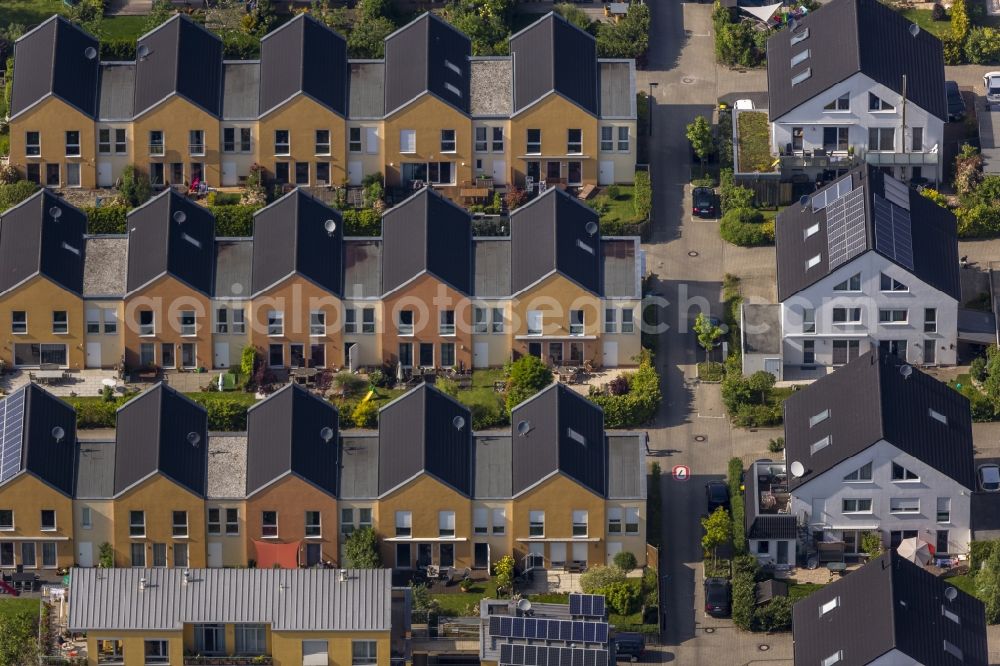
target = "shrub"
x: 216, y: 198
x: 365, y: 415
x: 447, y: 386
x: 106, y: 219
x: 601, y: 204
x: 982, y: 45
x: 980, y: 405
x: 871, y: 544
x: 488, y: 415
x: 654, y: 508
x: 514, y: 197
x: 625, y: 561
x: 626, y: 38
x: 361, y: 549
x: 94, y: 413
x: 248, y: 361
x: 979, y: 552
x: 618, y: 385
x: 238, y: 45
x: 600, y: 577
x: 937, y: 12
x: 379, y: 378
x: 744, y: 591
x: 642, y: 195
x: 776, y: 615
x: 106, y: 556
x: 9, y: 174
x: 746, y: 227
x: 225, y: 415
x: 736, y: 508
x: 117, y: 50
x: 15, y: 193
x: 935, y: 196
x: 503, y: 571
x: 528, y: 376
x: 988, y: 586
x: 623, y: 597
x: 776, y: 445
x: 233, y: 220
x: 640, y: 404
x: 613, y: 192
x: 977, y: 369
x: 133, y: 187
x: 253, y: 193
x: 349, y: 384
x: 968, y: 170
x: 362, y: 222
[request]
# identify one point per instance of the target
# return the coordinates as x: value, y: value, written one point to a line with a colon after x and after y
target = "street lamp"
x: 649, y: 105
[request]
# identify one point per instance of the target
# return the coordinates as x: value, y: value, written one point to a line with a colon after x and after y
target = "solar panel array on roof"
x: 831, y: 194
x: 586, y: 605
x: 896, y: 192
x: 576, y: 631
x: 540, y: 655
x: 893, y: 237
x: 845, y: 227
x: 11, y: 439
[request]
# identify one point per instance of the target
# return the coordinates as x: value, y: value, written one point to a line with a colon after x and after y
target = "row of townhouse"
x: 555, y: 490
x: 425, y: 294
x: 877, y: 446
x: 428, y: 113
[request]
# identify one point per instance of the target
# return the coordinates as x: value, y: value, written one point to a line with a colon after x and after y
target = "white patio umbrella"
x: 916, y: 550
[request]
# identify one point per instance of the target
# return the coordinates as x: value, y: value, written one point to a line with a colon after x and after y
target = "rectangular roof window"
x: 953, y: 650
x: 191, y: 239
x: 800, y: 57
x: 452, y: 89
x: 814, y: 229
x: 816, y: 447
x: 575, y: 436
x: 74, y: 250
x: 453, y: 67
x: 937, y: 416
x: 819, y: 418
x: 812, y: 262
x: 834, y: 658
x: 583, y: 246
x: 829, y: 606
x: 798, y: 37
x: 802, y: 76
x: 950, y: 615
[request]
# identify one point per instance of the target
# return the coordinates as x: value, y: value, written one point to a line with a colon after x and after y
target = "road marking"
x: 681, y: 472
x: 703, y: 416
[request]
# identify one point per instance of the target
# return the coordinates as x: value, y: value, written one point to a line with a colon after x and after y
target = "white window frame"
x: 407, y: 141
x: 282, y: 148
x: 536, y: 524
x: 446, y: 524
x: 498, y: 523
x: 581, y: 523
x: 480, y: 521
x: 404, y: 524
x: 317, y: 323
x: 275, y: 323
x: 904, y: 505
x: 269, y: 530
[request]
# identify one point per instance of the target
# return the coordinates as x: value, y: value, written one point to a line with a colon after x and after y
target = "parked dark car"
x: 629, y: 646
x: 703, y: 202
x: 717, y: 494
x: 717, y: 597
x: 956, y: 104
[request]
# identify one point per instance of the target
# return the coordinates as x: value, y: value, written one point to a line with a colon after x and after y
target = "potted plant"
x: 466, y: 584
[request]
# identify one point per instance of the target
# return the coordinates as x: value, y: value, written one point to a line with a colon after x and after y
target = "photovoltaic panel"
x: 586, y: 605
x: 540, y: 655
x: 824, y: 198
x: 896, y: 192
x: 11, y: 438
x: 845, y: 227
x: 893, y: 236
x: 578, y: 631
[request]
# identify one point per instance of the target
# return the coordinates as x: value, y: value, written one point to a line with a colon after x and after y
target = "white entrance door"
x: 351, y: 351
x: 499, y: 172
x: 229, y: 178
x: 605, y: 172
x: 214, y: 555
x: 481, y: 355
x: 773, y: 365
x: 614, y: 547
x: 221, y: 355
x: 354, y: 173
x: 84, y: 554
x: 104, y: 174
x: 610, y: 354
x: 93, y: 354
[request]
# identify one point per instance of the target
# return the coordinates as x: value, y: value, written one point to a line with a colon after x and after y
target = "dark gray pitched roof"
x: 33, y: 242
x: 117, y: 92
x: 491, y: 89
x: 170, y: 234
x: 27, y: 419
x: 240, y: 90
x: 850, y: 36
x: 619, y: 262
x: 549, y: 235
x: 557, y: 420
x: 417, y: 433
x: 285, y: 436
x: 617, y: 88
x: 51, y: 60
x: 362, y: 268
x: 933, y: 229
x: 290, y: 236
x: 492, y: 259
x: 358, y: 466
x: 367, y: 98
x: 427, y: 55
x: 184, y: 59
x: 162, y: 431
x: 95, y: 470
x: 427, y: 233
x: 105, y: 265
x: 869, y: 399
x: 303, y: 56
x: 888, y: 604
x: 554, y: 55
x: 233, y: 262
x: 493, y: 465
x: 626, y: 465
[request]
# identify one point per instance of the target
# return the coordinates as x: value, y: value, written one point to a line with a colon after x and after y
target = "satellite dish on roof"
x: 330, y: 226
x: 804, y: 200
x: 914, y: 29
x: 142, y: 52
x: 591, y: 228
x: 326, y: 434
x: 58, y: 433
x: 194, y: 439
x: 523, y: 427
x: 90, y: 53
x: 906, y: 370
x: 458, y: 422
x: 950, y: 593
x: 180, y: 217
x: 523, y: 605
x: 55, y: 212
x: 797, y: 469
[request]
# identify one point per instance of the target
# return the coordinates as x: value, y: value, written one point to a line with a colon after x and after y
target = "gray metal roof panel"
x: 240, y: 90
x: 427, y: 55
x: 304, y: 56
x: 626, y: 465
x: 617, y: 88
x: 105, y: 266
x: 227, y: 466
x: 491, y: 87
x: 492, y: 267
x: 163, y: 242
x: 51, y: 60
x: 95, y: 470
x: 620, y: 268
x: 866, y: 37
x: 184, y: 59
x: 493, y: 466
x: 362, y: 268
x: 359, y: 457
x: 367, y: 94
x: 154, y: 435
x: 233, y: 262
x: 285, y: 599
x: 554, y: 55
x: 284, y: 434
x: 117, y: 91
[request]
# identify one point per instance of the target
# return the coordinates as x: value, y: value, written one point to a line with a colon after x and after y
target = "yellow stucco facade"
x: 559, y: 497
x: 167, y: 298
x: 554, y: 115
x: 302, y: 117
x: 39, y: 298
x: 52, y: 118
x: 291, y: 497
x: 554, y: 297
x: 425, y: 498
x: 158, y: 498
x: 176, y: 118
x: 28, y: 497
x: 297, y: 298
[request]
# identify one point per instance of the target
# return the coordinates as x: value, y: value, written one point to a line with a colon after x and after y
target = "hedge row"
x: 639, y: 404
x: 225, y: 414
x: 236, y: 45
x: 229, y: 220
x: 654, y: 507
x: 746, y: 227
x: 737, y: 510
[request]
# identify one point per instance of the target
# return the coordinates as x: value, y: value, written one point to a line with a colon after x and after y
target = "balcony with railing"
x: 156, y: 148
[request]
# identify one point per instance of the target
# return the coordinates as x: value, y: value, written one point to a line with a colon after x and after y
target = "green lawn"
x: 13, y: 606
x: 482, y: 392
x: 455, y: 603
x: 711, y: 371
x: 799, y: 591
x: 754, y: 137
x: 617, y: 210
x: 28, y: 12
x: 922, y: 17
x: 123, y: 27
x: 965, y: 582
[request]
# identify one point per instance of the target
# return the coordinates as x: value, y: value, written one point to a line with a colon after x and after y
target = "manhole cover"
x: 688, y: 80
x: 763, y: 647
x: 692, y: 253
x: 709, y: 630
x: 700, y: 438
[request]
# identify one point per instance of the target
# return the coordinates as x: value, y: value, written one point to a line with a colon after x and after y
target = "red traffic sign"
x: 681, y: 472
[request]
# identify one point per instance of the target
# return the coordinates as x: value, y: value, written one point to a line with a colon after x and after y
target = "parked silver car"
x: 991, y: 81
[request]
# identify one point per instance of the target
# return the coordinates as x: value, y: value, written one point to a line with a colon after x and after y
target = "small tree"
x: 133, y: 187
x: 699, y: 133
x: 599, y: 577
x: 871, y: 543
x: 623, y: 597
x: 718, y: 531
x: 503, y: 570
x: 707, y: 332
x: 762, y: 382
x: 361, y: 549
x: 991, y: 385
x: 106, y: 556
x: 18, y: 637
x: 988, y: 586
x: 528, y: 376
x: 625, y: 561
